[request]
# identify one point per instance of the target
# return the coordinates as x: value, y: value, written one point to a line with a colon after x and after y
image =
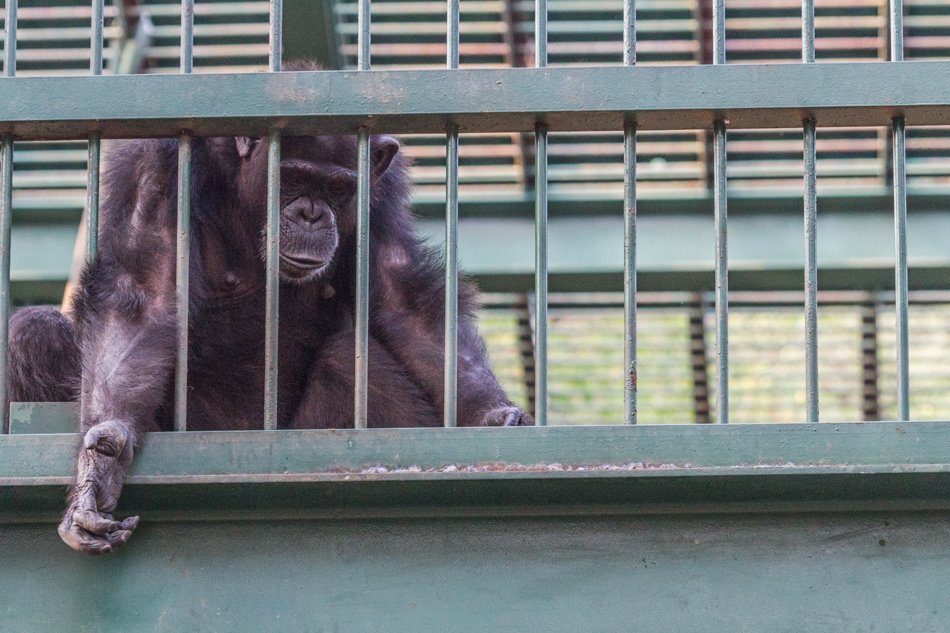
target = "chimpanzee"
x: 122, y: 330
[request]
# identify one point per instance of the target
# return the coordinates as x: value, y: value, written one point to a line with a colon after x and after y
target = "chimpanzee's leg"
x: 394, y: 399
x: 43, y: 358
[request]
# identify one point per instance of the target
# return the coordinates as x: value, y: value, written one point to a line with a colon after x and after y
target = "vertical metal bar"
x: 450, y: 409
x: 811, y: 223
x: 362, y: 279
x: 363, y: 38
x: 187, y: 35
x: 181, y: 280
x: 364, y: 173
x: 721, y: 215
x: 811, y: 274
x: 183, y: 244
x: 630, y: 227
x: 271, y: 307
x: 276, y: 39
x: 900, y: 225
x: 92, y: 196
x: 541, y: 228
x: 6, y: 216
x: 9, y: 41
x: 271, y: 317
x: 95, y: 141
x: 808, y: 31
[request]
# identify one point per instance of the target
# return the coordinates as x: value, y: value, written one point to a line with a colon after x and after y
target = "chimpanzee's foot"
x: 87, y: 525
x: 507, y: 416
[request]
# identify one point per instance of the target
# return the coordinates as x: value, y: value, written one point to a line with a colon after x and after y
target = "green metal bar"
x: 364, y: 173
x: 811, y: 224
x: 901, y: 283
x: 450, y: 387
x: 719, y: 32
x: 629, y: 33
x: 364, y: 41
x: 187, y: 35
x: 540, y: 33
x: 749, y: 96
x: 276, y: 35
x: 273, y: 280
x: 92, y: 196
x: 630, y: 227
x: 95, y: 61
x: 183, y: 236
x: 272, y: 298
x: 95, y: 140
x: 6, y: 215
x: 643, y: 451
x: 6, y: 220
x: 808, y: 31
x: 811, y: 273
x: 451, y: 277
x: 630, y: 271
x: 9, y: 39
x: 541, y: 275
x: 900, y: 224
x: 720, y: 212
x: 452, y: 37
x: 183, y: 259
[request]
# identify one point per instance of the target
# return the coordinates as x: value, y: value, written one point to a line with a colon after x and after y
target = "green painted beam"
x: 855, y: 247
x: 489, y: 100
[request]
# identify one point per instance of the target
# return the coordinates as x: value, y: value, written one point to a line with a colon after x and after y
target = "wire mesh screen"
x: 766, y: 361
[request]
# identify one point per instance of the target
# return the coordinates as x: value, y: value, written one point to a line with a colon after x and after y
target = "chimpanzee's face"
x: 314, y: 198
x: 317, y: 196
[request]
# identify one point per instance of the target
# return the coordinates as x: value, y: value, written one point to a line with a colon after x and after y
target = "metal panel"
x: 472, y: 573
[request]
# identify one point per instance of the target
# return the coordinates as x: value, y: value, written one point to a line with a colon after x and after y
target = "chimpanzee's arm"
x: 125, y: 311
x: 408, y: 314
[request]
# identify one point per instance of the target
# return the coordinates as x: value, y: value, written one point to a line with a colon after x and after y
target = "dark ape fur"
x: 123, y: 328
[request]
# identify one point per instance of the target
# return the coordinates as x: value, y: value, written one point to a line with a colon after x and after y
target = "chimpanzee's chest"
x: 226, y: 343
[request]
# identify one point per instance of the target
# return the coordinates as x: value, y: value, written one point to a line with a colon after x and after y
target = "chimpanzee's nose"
x: 307, y: 213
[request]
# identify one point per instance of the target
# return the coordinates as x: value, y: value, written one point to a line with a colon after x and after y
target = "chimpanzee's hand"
x: 88, y: 525
x: 507, y: 416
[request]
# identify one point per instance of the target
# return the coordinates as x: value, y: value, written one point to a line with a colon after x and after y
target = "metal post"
x: 271, y: 307
x: 811, y: 222
x: 630, y: 227
x: 541, y: 228
x: 721, y: 216
x: 900, y: 225
x: 364, y: 173
x: 6, y: 216
x: 183, y: 256
x: 451, y: 235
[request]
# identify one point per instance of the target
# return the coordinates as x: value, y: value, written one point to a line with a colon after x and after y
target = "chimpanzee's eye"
x: 339, y: 187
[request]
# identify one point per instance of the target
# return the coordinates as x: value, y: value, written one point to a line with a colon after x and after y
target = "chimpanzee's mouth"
x: 302, y: 264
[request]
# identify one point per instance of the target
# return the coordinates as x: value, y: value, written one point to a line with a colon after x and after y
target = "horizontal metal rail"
x: 642, y: 450
x: 491, y: 100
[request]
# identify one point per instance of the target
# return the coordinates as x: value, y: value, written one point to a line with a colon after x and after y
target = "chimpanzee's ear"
x: 245, y: 145
x: 382, y: 151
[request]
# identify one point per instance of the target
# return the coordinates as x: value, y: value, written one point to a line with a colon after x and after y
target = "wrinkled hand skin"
x: 88, y: 525
x: 507, y: 416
